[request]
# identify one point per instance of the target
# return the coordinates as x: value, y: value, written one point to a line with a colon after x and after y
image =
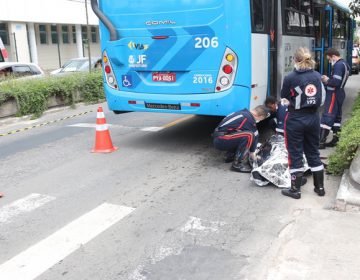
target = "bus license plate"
x: 164, y: 77
x: 163, y: 106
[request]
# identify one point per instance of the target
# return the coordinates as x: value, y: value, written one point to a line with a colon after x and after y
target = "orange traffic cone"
x: 103, y: 143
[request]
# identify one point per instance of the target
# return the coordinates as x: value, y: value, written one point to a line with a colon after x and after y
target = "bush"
x: 348, y: 143
x: 32, y: 95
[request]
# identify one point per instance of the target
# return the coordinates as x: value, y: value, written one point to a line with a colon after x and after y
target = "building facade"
x: 48, y: 32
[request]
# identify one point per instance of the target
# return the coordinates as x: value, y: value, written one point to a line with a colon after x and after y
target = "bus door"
x: 272, y: 17
x: 323, y: 37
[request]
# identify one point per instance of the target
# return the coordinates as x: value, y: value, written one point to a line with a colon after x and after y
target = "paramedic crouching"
x: 237, y: 134
x: 305, y: 92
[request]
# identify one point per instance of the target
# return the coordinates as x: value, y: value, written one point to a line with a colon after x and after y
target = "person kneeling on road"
x: 306, y: 93
x: 237, y: 134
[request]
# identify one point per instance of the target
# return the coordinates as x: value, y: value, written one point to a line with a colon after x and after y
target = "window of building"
x: 93, y: 34
x: 258, y: 16
x: 84, y: 33
x: 299, y: 17
x: 43, y: 34
x: 65, y: 34
x: 54, y: 34
x: 4, y: 33
x: 73, y: 29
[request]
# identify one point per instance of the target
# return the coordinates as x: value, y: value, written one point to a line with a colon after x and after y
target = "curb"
x: 348, y: 195
x: 354, y: 171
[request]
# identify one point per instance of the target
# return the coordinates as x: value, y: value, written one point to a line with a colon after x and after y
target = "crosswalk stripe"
x: 23, y: 205
x: 35, y: 260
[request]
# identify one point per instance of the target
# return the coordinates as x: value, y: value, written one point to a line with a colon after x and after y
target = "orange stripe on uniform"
x: 248, y: 135
x: 331, y: 108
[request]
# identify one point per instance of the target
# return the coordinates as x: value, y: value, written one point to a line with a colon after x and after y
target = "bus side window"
x: 258, y: 16
x: 299, y: 18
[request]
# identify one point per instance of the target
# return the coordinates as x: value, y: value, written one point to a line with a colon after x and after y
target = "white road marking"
x: 35, y: 260
x: 152, y: 129
x: 196, y: 224
x: 23, y: 205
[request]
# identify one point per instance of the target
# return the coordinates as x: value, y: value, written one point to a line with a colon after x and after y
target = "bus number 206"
x: 206, y: 42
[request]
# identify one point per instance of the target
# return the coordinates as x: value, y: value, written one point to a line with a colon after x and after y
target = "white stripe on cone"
x: 102, y: 127
x: 100, y: 115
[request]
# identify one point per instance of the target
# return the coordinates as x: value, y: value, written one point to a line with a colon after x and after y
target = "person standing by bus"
x: 335, y: 96
x: 306, y: 93
x: 237, y: 134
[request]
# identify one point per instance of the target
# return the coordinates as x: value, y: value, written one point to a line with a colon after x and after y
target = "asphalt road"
x: 164, y: 206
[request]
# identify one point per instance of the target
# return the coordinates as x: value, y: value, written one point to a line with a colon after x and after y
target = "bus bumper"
x: 215, y: 104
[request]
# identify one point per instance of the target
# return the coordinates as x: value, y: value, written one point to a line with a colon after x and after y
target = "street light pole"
x: 88, y: 38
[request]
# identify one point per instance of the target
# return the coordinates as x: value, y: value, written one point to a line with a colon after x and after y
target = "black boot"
x: 323, y: 135
x: 319, y: 182
x: 241, y: 162
x: 334, y: 140
x: 303, y: 181
x: 229, y: 157
x: 294, y: 190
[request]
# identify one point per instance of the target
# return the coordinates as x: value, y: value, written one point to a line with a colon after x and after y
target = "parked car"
x: 15, y: 70
x: 77, y: 65
x: 356, y: 60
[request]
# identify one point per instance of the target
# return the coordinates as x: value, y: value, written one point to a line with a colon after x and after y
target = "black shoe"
x: 229, y: 157
x: 242, y: 167
x: 323, y: 135
x: 291, y: 193
x: 333, y: 142
x: 241, y: 162
x: 294, y: 190
x: 319, y: 182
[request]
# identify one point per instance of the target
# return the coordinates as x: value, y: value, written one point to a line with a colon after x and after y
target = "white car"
x: 78, y: 65
x: 19, y: 70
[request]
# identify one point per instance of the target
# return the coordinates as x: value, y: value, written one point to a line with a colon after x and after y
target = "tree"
x: 355, y: 7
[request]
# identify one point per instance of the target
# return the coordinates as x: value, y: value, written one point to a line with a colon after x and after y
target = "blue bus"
x: 210, y: 57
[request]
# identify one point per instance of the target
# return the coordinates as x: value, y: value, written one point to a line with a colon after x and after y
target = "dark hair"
x: 332, y: 51
x: 270, y: 100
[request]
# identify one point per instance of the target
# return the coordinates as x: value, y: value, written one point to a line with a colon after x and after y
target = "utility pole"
x: 16, y: 49
x: 88, y: 37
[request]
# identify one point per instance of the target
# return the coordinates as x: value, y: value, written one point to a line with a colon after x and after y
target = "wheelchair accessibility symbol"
x: 127, y: 81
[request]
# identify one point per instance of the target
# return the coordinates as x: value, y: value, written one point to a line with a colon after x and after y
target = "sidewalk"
x: 317, y: 241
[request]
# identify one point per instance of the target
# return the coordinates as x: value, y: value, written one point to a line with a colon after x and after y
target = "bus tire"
x: 116, y: 112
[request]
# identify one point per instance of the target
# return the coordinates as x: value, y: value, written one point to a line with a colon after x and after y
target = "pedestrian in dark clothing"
x: 306, y: 93
x: 237, y: 134
x: 335, y: 96
x: 278, y: 113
